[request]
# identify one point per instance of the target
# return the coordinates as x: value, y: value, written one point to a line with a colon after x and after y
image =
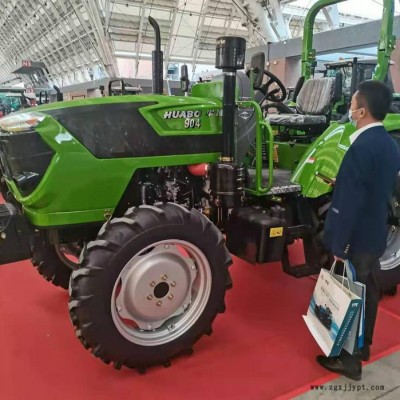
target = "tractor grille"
x: 24, y: 159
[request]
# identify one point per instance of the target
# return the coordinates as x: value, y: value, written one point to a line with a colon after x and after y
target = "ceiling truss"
x: 79, y: 40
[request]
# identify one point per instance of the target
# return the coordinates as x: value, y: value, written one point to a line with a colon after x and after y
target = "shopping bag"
x: 331, y: 313
x: 358, y: 289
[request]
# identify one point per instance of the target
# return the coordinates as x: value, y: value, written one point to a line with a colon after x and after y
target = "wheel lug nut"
x: 166, y: 246
x: 149, y: 297
x: 119, y: 308
x: 164, y: 277
x: 193, y: 267
x: 152, y: 284
x: 159, y: 303
x: 170, y: 296
x: 173, y: 284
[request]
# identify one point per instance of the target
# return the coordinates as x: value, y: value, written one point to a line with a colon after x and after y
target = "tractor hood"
x: 70, y: 162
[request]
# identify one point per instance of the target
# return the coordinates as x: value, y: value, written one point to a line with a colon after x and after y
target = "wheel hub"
x: 155, y: 287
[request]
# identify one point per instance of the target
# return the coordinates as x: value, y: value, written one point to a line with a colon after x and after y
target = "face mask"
x: 352, y: 120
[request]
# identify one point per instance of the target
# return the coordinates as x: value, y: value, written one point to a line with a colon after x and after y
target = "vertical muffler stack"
x: 226, y: 176
x: 157, y: 59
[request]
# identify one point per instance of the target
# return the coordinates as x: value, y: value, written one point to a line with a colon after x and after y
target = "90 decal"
x: 191, y: 123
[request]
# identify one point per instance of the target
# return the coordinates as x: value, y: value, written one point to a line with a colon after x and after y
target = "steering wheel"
x: 277, y: 95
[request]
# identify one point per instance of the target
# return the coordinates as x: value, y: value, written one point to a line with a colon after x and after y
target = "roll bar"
x: 386, y: 42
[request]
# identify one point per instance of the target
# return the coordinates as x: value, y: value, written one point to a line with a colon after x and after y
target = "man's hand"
x: 339, y: 259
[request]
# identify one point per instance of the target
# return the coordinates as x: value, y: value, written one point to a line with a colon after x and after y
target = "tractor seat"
x: 314, y: 105
x: 281, y: 184
x: 293, y: 120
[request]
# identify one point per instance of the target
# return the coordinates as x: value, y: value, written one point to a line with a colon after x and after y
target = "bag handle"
x: 332, y: 270
x: 348, y: 271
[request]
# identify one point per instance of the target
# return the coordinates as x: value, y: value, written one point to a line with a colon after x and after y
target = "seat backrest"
x: 316, y: 96
x: 299, y: 86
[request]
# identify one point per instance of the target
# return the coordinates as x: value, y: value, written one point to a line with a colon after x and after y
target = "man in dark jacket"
x: 356, y: 225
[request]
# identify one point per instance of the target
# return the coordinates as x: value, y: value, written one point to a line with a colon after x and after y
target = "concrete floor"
x: 384, y: 373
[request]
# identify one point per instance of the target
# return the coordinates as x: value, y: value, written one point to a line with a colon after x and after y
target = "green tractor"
x: 340, y: 82
x: 12, y: 99
x: 351, y: 73
x: 125, y: 200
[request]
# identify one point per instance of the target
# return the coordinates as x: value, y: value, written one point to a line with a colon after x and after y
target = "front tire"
x: 51, y: 262
x: 150, y: 286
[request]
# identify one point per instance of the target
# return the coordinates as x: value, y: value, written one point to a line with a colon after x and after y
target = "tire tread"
x: 135, y: 221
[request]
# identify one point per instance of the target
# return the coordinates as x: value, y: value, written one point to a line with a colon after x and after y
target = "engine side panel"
x: 119, y: 130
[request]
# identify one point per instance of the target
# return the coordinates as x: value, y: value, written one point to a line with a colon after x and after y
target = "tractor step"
x: 282, y: 181
x: 15, y: 235
x: 298, y: 271
x: 311, y: 265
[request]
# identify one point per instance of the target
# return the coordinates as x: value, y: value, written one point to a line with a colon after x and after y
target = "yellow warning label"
x: 276, y: 232
x: 276, y: 154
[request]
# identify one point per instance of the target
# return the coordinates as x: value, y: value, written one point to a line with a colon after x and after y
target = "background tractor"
x: 341, y: 80
x: 351, y: 73
x: 126, y: 201
x: 12, y: 99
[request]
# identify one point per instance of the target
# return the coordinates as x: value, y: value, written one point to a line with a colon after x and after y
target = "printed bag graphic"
x: 331, y: 314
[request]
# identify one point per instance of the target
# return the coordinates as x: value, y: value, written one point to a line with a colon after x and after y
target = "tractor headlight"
x: 20, y: 123
x: 24, y: 155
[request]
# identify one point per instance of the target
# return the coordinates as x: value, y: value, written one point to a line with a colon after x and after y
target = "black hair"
x: 376, y: 96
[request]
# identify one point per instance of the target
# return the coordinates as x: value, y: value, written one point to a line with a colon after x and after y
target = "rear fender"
x: 392, y: 123
x: 326, y: 154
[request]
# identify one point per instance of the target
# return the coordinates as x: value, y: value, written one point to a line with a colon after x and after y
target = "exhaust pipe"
x: 60, y: 96
x: 226, y: 176
x: 230, y: 57
x: 157, y: 59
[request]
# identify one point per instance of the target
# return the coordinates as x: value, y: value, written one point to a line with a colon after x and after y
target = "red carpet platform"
x: 260, y: 348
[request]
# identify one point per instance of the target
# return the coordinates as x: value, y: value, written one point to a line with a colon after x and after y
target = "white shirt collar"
x: 356, y: 134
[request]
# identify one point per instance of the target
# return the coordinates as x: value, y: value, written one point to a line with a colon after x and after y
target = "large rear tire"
x: 390, y: 262
x: 389, y: 276
x: 150, y: 286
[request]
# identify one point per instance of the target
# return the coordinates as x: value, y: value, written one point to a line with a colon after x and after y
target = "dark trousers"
x: 367, y: 268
